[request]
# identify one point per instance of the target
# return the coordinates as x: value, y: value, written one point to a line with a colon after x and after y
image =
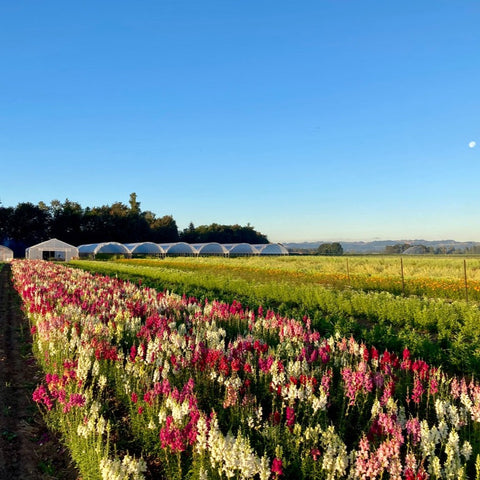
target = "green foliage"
x: 222, y: 234
x: 397, y: 248
x: 331, y: 249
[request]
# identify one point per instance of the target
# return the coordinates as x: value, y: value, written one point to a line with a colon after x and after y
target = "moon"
x: 472, y: 144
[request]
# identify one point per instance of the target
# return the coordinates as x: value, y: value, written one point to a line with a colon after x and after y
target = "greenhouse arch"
x: 52, y: 249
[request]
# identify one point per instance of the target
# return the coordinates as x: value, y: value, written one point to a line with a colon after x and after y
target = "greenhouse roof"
x: 271, y: 249
x: 240, y: 249
x: 211, y: 248
x: 105, y: 247
x: 148, y: 248
x: 54, y: 245
x: 178, y: 248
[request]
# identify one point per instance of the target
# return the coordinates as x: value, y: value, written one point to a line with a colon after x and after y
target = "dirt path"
x: 28, y: 451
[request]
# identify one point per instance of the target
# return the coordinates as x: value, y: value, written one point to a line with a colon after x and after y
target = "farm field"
x: 149, y: 384
x: 434, y: 327
x: 440, y: 277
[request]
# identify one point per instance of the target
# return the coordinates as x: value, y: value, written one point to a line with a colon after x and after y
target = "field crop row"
x: 444, y: 333
x: 145, y: 384
x: 437, y: 277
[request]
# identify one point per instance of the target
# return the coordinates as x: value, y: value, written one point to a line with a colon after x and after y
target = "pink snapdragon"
x: 277, y: 467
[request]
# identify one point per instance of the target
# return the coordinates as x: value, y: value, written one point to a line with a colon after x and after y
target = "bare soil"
x: 28, y: 449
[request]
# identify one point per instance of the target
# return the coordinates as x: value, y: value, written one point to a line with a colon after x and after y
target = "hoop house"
x: 179, y: 248
x: 212, y: 248
x: 52, y: 249
x: 108, y: 248
x: 6, y: 254
x: 238, y: 249
x: 145, y: 248
x: 271, y: 249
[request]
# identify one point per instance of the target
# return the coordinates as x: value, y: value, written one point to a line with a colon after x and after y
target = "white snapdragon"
x: 334, y: 458
x: 453, y: 465
x: 201, y: 443
x: 466, y: 450
x: 233, y: 456
x: 127, y: 469
x: 153, y: 351
x: 101, y: 425
x: 319, y: 403
x: 96, y: 368
x: 429, y: 438
x: 84, y: 364
x: 377, y: 408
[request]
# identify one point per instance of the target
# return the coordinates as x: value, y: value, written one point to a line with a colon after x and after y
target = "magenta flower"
x: 290, y: 414
x: 277, y: 467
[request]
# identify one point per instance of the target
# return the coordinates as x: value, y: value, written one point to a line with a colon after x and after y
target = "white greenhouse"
x: 52, y: 249
x: 109, y: 248
x: 212, y: 248
x: 145, y: 248
x: 6, y: 254
x: 271, y: 249
x: 178, y: 248
x: 240, y: 249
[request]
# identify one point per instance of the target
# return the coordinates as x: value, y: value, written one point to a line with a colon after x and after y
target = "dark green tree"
x: 222, y: 234
x: 331, y: 249
x: 397, y: 248
x: 164, y: 230
x: 134, y: 204
x: 66, y: 221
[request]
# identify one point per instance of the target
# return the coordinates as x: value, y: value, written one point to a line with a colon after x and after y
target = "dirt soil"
x: 28, y: 450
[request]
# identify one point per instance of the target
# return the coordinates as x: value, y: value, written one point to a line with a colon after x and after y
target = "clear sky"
x: 310, y: 119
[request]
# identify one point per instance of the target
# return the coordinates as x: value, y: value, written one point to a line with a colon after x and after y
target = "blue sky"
x: 310, y: 120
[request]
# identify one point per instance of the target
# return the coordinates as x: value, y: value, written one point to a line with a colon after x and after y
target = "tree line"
x: 28, y: 224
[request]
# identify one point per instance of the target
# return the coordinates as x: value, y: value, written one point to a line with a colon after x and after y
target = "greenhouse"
x: 52, y: 249
x: 178, y: 248
x: 107, y: 248
x: 212, y: 248
x: 271, y: 249
x: 145, y: 248
x: 6, y: 254
x: 238, y: 249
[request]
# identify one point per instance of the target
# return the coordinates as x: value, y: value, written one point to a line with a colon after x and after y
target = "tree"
x: 330, y: 249
x: 164, y: 230
x: 6, y: 216
x: 190, y: 234
x: 66, y: 221
x: 222, y: 234
x: 134, y: 205
x: 397, y: 248
x: 29, y: 226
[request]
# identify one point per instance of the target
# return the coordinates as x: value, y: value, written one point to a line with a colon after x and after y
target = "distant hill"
x: 378, y: 246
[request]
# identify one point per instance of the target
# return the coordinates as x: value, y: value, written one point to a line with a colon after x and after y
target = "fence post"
x: 348, y: 274
x: 403, y: 276
x: 465, y: 278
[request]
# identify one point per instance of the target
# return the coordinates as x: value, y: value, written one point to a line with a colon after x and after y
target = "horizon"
x: 406, y: 239
x: 319, y: 119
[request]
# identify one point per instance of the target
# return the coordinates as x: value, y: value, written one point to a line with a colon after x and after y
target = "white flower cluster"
x: 95, y: 423
x: 233, y: 456
x: 334, y: 458
x: 126, y: 469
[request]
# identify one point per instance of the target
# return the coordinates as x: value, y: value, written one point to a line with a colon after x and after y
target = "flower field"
x: 439, y: 277
x: 145, y: 384
x: 437, y: 330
